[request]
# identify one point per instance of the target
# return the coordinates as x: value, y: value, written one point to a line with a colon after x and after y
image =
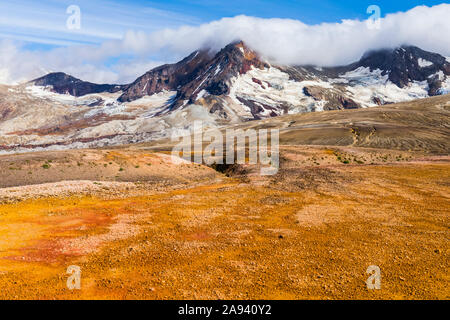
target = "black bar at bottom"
x: 218, y: 309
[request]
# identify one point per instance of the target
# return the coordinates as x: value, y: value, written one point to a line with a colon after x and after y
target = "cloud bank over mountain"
x: 283, y: 41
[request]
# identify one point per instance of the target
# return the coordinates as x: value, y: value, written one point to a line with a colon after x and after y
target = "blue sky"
x: 42, y: 24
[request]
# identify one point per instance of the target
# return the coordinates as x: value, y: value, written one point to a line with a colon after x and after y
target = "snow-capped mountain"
x: 230, y: 86
x: 236, y: 82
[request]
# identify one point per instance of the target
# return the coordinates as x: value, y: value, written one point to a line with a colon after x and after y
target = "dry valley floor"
x: 372, y: 191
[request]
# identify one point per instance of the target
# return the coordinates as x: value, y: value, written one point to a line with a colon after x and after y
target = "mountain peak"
x: 233, y: 60
x: 406, y: 64
x: 237, y: 44
x: 66, y: 84
x: 54, y: 78
x: 241, y: 46
x: 199, y: 72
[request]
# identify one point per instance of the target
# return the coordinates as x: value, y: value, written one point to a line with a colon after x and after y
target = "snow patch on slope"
x: 106, y: 103
x: 150, y: 106
x: 424, y: 63
x: 388, y: 93
x: 201, y: 94
x: 68, y: 100
x: 445, y: 87
x: 276, y: 89
x: 364, y: 76
x: 440, y: 75
x: 366, y: 85
x: 155, y: 100
x: 46, y: 93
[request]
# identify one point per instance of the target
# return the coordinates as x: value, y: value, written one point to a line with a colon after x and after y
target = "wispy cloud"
x: 44, y: 21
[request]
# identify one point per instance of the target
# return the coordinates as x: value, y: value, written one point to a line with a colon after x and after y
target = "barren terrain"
x: 355, y: 188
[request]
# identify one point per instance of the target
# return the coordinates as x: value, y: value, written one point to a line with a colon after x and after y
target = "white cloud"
x: 293, y: 42
x: 128, y: 71
x: 281, y: 40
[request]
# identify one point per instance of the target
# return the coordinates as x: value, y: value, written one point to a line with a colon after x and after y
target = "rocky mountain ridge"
x: 232, y: 86
x: 203, y: 74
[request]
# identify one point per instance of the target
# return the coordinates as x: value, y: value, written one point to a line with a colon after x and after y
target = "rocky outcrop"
x: 334, y: 100
x: 167, y: 77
